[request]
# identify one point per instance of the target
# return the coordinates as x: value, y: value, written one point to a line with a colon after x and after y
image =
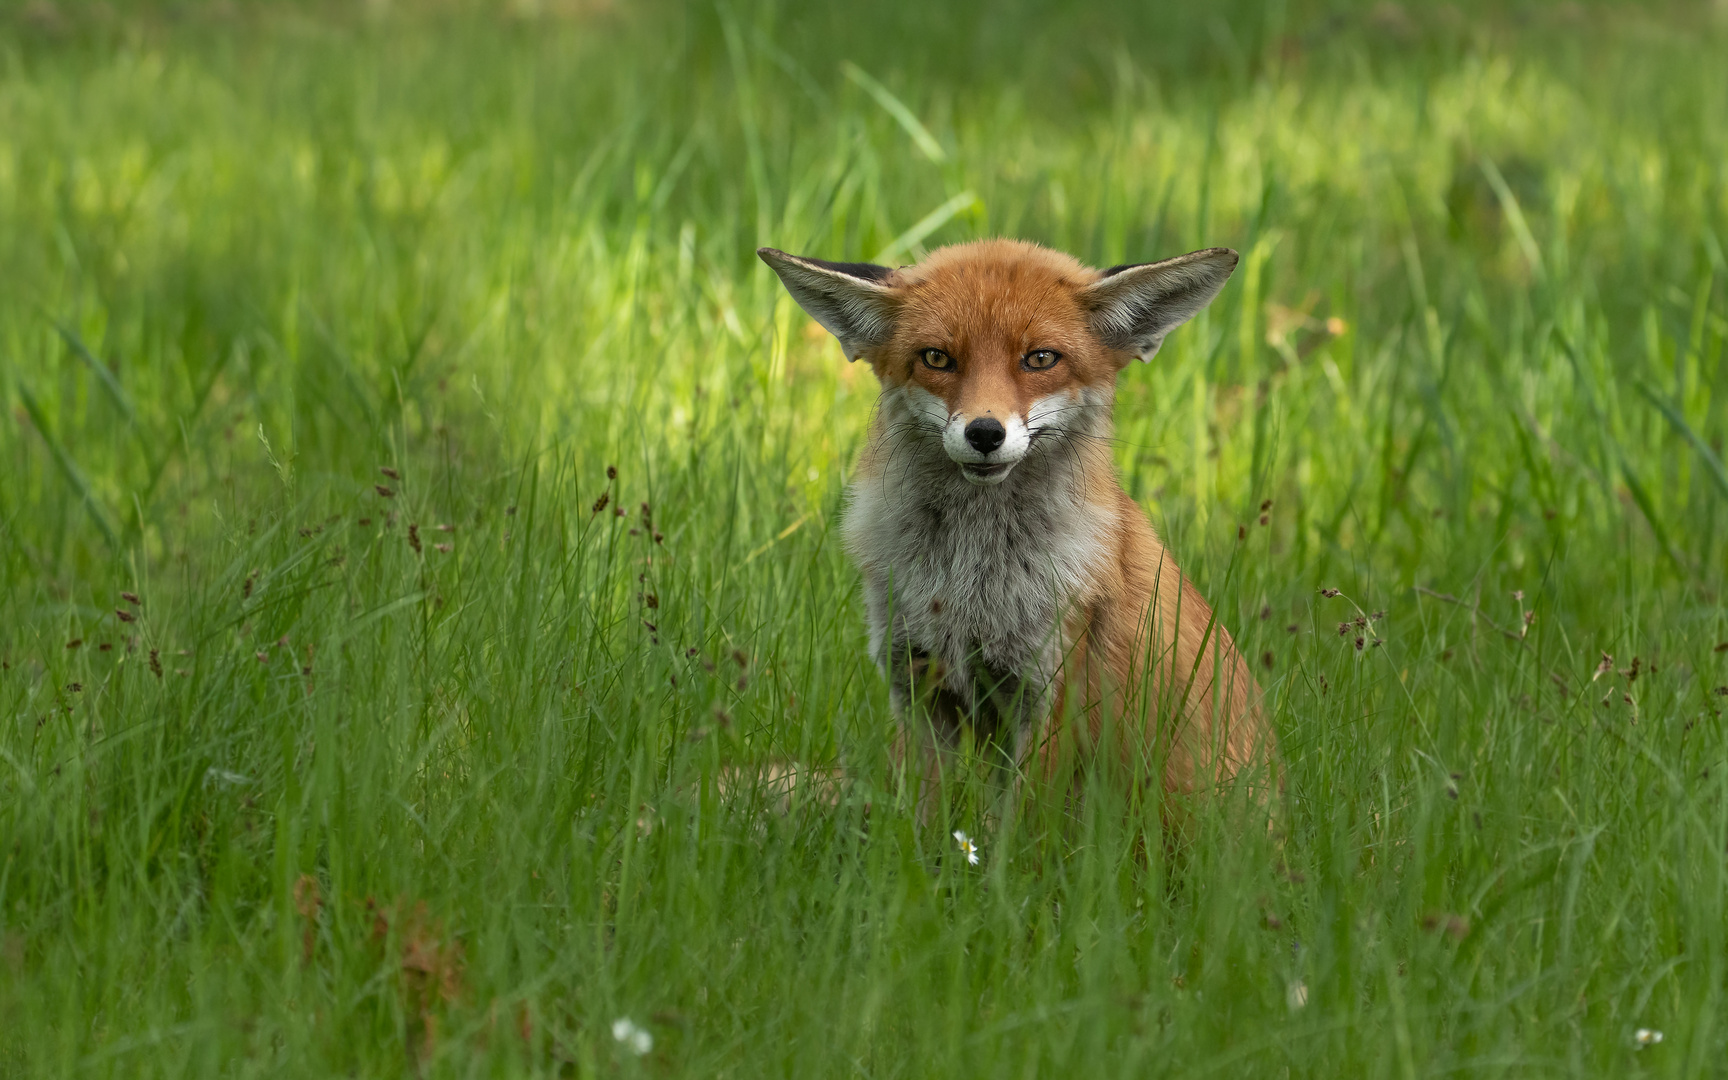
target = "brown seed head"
x: 307, y: 896
x: 1456, y: 927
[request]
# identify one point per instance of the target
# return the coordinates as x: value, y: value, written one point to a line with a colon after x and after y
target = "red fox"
x: 1012, y: 587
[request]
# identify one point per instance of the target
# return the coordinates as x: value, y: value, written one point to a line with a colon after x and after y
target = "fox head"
x: 992, y: 345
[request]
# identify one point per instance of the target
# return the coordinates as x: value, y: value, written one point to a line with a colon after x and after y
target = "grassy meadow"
x: 418, y: 539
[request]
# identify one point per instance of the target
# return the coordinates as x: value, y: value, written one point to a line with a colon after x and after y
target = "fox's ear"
x: 853, y: 301
x: 1134, y: 306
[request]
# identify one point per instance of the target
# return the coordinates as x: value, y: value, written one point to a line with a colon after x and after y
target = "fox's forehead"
x: 994, y: 292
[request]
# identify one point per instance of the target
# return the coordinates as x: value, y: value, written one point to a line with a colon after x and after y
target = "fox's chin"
x: 987, y: 473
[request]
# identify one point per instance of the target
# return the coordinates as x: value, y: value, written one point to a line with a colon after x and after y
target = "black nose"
x: 985, y: 434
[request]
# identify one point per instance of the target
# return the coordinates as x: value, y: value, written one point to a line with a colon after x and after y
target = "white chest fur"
x: 974, y: 574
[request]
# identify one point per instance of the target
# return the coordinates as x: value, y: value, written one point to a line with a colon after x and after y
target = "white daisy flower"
x: 1646, y: 1037
x: 637, y: 1040
x: 967, y: 846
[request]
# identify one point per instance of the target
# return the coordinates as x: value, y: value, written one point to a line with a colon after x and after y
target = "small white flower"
x: 967, y: 846
x: 1296, y: 994
x: 1646, y: 1037
x: 214, y: 775
x: 637, y: 1040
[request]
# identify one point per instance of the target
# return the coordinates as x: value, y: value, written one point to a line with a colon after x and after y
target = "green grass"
x: 336, y: 804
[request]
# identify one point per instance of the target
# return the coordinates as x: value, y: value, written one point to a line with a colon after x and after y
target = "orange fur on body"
x: 1013, y: 586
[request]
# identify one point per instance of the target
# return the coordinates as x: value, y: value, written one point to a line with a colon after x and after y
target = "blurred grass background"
x: 426, y: 772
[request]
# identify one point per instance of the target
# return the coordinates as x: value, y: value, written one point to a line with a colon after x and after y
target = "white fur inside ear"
x: 1145, y: 355
x: 1134, y: 307
x: 850, y: 300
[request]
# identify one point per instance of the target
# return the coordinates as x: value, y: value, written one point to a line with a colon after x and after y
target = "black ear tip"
x: 766, y: 254
x: 1221, y: 260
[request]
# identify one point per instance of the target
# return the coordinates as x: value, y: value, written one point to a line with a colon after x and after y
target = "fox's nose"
x: 985, y: 434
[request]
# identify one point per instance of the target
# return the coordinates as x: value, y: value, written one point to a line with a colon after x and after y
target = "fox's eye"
x: 1040, y: 360
x: 937, y: 360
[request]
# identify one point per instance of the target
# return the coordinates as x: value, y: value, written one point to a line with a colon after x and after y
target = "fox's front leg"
x: 917, y: 759
x: 928, y: 731
x: 1058, y: 728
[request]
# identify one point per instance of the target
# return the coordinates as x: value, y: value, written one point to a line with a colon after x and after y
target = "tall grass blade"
x: 748, y: 121
x: 896, y: 108
x: 1648, y: 507
x: 929, y: 223
x: 1712, y: 463
x: 1514, y: 216
x: 68, y: 468
x: 116, y: 393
